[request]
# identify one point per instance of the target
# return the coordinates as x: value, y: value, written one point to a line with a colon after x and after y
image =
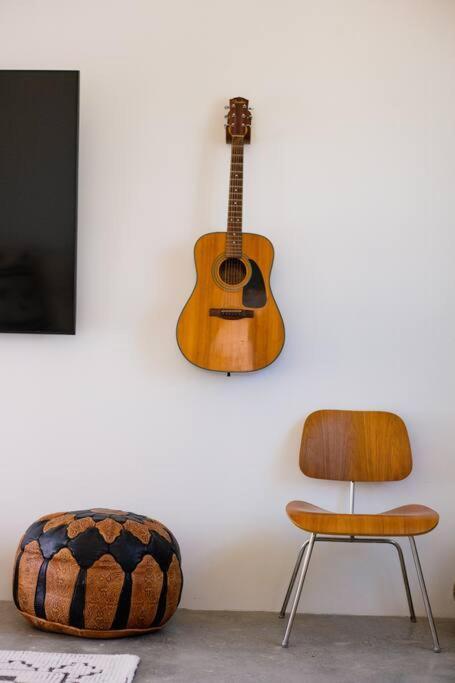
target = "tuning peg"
x: 226, y: 106
x: 250, y: 108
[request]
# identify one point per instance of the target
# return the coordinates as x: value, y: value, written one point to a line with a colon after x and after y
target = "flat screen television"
x: 39, y: 112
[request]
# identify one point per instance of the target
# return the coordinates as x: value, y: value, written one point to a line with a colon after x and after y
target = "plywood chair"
x: 357, y: 446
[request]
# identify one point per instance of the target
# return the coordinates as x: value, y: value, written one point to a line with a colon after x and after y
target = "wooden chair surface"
x: 349, y: 445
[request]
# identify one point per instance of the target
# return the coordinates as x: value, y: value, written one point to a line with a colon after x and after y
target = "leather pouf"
x: 97, y: 573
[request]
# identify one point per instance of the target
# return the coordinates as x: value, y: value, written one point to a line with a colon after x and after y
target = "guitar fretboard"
x: 234, y: 224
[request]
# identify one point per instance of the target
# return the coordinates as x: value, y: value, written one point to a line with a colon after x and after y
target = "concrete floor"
x: 233, y: 647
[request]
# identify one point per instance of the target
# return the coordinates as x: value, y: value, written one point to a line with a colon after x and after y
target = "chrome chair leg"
x: 292, y: 581
x: 298, y: 593
x: 426, y: 601
x: 405, y: 579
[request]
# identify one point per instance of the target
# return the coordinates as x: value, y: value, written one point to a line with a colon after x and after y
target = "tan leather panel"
x: 54, y: 514
x: 137, y: 529
x: 61, y: 577
x: 78, y: 526
x: 104, y: 584
x: 109, y: 529
x: 159, y: 528
x: 29, y: 567
x: 54, y: 627
x: 174, y: 585
x: 147, y: 584
x: 58, y: 521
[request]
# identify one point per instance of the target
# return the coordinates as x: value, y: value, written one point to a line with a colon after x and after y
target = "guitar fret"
x: 235, y: 204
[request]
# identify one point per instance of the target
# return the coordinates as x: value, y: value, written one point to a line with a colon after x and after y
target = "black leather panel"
x: 88, y: 547
x: 160, y: 549
x: 124, y: 604
x: 128, y: 551
x: 40, y: 594
x: 52, y: 541
x: 78, y: 600
x: 33, y: 533
x: 16, y: 579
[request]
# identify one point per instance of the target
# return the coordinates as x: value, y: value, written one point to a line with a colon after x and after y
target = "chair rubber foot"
x: 436, y: 649
x: 281, y: 616
x: 413, y: 619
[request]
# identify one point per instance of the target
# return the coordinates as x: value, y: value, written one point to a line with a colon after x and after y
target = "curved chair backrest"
x: 355, y: 445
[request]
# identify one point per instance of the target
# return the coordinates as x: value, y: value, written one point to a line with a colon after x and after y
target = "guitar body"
x: 231, y: 322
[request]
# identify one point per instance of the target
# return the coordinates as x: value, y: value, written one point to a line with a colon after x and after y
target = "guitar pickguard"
x: 254, y: 294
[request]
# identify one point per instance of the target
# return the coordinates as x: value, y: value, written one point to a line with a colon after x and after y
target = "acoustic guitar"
x: 231, y: 322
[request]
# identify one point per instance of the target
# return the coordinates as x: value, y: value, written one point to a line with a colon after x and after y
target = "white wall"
x: 351, y: 174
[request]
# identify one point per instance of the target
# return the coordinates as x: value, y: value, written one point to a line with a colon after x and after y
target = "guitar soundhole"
x: 232, y: 271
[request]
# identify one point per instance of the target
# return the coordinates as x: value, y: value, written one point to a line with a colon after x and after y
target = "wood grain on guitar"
x: 231, y: 322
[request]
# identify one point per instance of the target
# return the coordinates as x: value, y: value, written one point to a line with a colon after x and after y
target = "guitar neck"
x: 234, y: 223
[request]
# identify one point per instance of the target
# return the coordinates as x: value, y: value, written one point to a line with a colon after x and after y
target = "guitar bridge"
x: 230, y: 313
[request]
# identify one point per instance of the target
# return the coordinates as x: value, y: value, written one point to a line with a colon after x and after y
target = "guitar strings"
x: 233, y: 269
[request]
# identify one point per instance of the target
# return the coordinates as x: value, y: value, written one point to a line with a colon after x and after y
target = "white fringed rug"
x: 56, y: 667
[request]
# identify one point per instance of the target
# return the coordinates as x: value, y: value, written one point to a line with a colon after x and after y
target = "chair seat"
x: 408, y: 520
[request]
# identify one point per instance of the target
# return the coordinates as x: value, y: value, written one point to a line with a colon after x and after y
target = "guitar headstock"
x: 238, y: 120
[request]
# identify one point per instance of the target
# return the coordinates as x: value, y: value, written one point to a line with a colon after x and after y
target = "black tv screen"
x: 38, y: 200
